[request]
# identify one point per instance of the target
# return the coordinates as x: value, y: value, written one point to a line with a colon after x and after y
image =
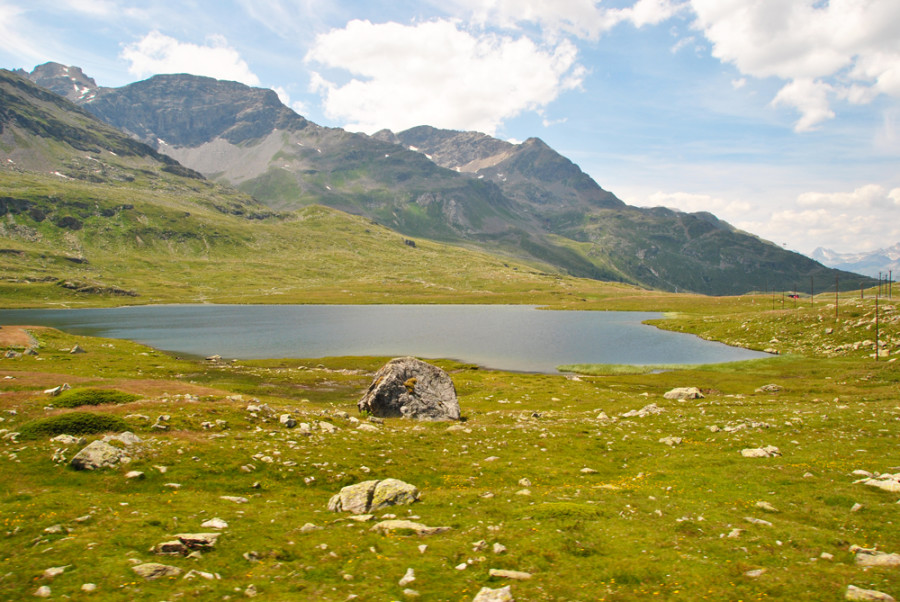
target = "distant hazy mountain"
x: 519, y: 200
x: 869, y: 263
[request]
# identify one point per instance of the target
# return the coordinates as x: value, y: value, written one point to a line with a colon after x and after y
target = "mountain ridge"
x: 517, y: 200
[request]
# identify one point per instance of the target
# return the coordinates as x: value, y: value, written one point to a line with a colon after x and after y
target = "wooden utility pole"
x: 876, y: 327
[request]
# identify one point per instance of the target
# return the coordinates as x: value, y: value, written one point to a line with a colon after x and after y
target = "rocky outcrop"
x: 370, y: 496
x: 411, y: 388
x: 99, y: 454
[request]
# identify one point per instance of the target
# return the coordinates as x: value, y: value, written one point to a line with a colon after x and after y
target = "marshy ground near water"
x: 596, y: 486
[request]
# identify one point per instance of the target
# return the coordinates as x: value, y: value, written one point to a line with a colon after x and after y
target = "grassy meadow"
x: 586, y: 500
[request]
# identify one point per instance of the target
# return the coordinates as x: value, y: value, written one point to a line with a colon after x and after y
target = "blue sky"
x: 779, y: 116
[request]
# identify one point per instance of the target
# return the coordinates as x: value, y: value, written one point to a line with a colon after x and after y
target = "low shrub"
x: 73, y: 423
x: 93, y: 397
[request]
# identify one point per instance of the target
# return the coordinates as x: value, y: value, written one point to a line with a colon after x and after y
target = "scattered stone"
x: 251, y: 591
x: 69, y: 440
x: 57, y: 390
x: 369, y: 496
x: 411, y: 388
x: 214, y: 523
x: 770, y: 389
x: 89, y: 587
x: 193, y: 573
x: 369, y: 428
x: 886, y: 482
x: 309, y: 527
x: 766, y: 506
x: 153, y: 570
x: 757, y: 521
x: 408, y: 578
x: 524, y: 483
x: 234, y: 498
x: 735, y: 533
x: 754, y: 573
x: 55, y: 571
x: 386, y: 526
x: 98, y: 454
x: 42, y: 592
x: 170, y: 548
x: 826, y: 556
x: 505, y: 574
x: 499, y: 548
x: 287, y: 421
x: 684, y: 393
x: 645, y: 411
x: 866, y: 557
x: 671, y: 441
x: 198, y: 541
x: 77, y: 349
x: 410, y: 593
x: 857, y: 593
x: 769, y: 451
x: 487, y: 594
x: 586, y: 470
x: 856, y: 507
x: 134, y: 474
x: 127, y: 439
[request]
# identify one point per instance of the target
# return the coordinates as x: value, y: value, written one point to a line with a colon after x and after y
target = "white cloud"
x: 157, y: 53
x: 437, y: 74
x: 584, y: 18
x: 871, y: 196
x: 691, y: 203
x: 865, y: 218
x: 842, y: 49
x: 810, y: 98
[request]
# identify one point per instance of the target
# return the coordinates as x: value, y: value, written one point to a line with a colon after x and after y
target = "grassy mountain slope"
x: 89, y: 215
x: 522, y: 201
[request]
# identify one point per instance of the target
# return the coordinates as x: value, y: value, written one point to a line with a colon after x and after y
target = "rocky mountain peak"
x: 67, y: 81
x: 189, y: 110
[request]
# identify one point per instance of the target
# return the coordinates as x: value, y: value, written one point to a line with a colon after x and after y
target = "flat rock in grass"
x: 198, y: 541
x: 770, y: 451
x: 154, y: 570
x: 98, y: 454
x: 648, y: 410
x: 858, y: 593
x: 872, y: 558
x: 387, y: 526
x: 234, y: 498
x: 671, y: 441
x: 70, y: 440
x: 505, y: 574
x: 683, y: 393
x: 215, y: 523
x: 886, y: 482
x: 770, y: 389
x: 127, y: 438
x: 369, y: 496
x: 170, y: 548
x: 486, y: 594
x: 410, y: 388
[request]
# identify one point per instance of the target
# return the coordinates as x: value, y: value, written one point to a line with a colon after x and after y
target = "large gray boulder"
x: 411, y: 388
x: 370, y: 496
x: 99, y: 454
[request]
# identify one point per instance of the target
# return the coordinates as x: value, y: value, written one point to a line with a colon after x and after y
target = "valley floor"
x: 597, y: 487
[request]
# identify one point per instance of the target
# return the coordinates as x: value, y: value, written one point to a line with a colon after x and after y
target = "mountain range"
x: 871, y: 263
x: 518, y: 201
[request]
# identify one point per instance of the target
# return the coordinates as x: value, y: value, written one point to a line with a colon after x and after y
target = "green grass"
x: 649, y: 522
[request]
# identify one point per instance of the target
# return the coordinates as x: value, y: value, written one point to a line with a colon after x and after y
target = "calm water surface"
x: 506, y: 337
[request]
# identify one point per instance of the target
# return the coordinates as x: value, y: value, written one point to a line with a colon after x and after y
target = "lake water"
x: 506, y: 337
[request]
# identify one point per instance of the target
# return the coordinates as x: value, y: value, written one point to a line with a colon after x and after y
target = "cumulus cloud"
x: 583, y: 18
x: 842, y: 49
x: 438, y: 74
x: 690, y: 202
x: 157, y: 53
x: 865, y: 218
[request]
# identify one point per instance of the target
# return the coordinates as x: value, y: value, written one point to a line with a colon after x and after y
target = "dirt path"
x: 17, y: 336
